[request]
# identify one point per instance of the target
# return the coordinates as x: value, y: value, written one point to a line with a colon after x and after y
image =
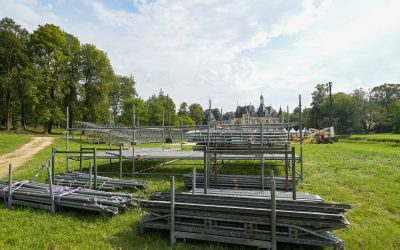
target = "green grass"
x: 384, y: 137
x: 9, y: 143
x: 366, y: 175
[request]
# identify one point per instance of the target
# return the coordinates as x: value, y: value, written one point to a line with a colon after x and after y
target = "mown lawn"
x: 384, y: 137
x: 9, y: 143
x: 366, y: 175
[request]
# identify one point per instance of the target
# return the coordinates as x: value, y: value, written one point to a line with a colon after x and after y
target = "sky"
x: 232, y: 51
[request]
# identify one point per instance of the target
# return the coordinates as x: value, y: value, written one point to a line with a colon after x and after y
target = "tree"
x: 228, y: 116
x: 13, y: 60
x: 360, y: 97
x: 318, y: 96
x: 185, y: 120
x: 183, y: 109
x: 46, y: 48
x: 161, y: 107
x: 395, y: 117
x: 121, y: 90
x: 98, y: 76
x: 382, y: 99
x: 385, y: 94
x: 141, y: 112
x: 216, y: 115
x: 344, y: 112
x: 196, y: 113
x: 155, y: 111
x: 73, y: 75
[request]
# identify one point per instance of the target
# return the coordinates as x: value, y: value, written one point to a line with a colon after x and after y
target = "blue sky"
x: 232, y: 51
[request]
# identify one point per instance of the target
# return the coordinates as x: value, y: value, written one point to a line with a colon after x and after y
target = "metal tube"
x: 288, y: 119
x: 262, y: 155
x: 133, y: 140
x: 301, y: 139
x: 80, y: 158
x: 66, y: 141
x: 273, y: 212
x: 163, y: 135
x: 90, y: 175
x: 53, y: 208
x: 215, y: 169
x: 172, y: 219
x: 194, y: 180
x: 95, y: 167
x: 208, y: 142
x: 293, y: 173
x: 182, y: 140
x: 205, y: 173
x: 120, y: 161
x: 286, y: 167
x: 53, y: 164
x: 9, y: 185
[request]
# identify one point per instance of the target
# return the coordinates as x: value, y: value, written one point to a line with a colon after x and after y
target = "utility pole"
x: 370, y: 113
x: 329, y: 86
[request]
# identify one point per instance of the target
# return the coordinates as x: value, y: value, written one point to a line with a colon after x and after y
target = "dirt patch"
x: 23, y: 154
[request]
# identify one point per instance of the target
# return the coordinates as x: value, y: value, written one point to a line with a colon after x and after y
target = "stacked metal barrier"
x: 236, y: 182
x: 267, y: 141
x: 37, y: 195
x: 239, y: 136
x: 245, y: 220
x: 77, y: 179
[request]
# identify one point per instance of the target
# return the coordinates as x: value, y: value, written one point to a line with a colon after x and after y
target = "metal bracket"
x: 208, y: 223
x: 293, y: 232
x: 248, y: 228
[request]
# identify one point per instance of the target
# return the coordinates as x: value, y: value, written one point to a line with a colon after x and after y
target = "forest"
x: 44, y: 72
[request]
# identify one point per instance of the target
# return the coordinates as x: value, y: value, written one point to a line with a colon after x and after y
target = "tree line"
x: 44, y: 72
x: 362, y: 111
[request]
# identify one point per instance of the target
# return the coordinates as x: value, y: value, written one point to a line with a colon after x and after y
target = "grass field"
x: 364, y: 174
x: 384, y: 137
x: 9, y: 143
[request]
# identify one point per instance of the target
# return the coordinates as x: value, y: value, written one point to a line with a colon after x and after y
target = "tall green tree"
x: 196, y: 113
x: 385, y: 94
x: 183, y: 109
x: 344, y: 109
x: 161, y: 107
x: 73, y: 74
x: 121, y: 90
x: 97, y: 78
x: 155, y: 110
x: 13, y: 60
x: 318, y: 96
x: 47, y: 52
x: 395, y: 117
x: 141, y: 112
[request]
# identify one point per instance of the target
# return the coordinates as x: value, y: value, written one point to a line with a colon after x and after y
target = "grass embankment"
x: 365, y: 175
x: 9, y: 143
x: 384, y: 137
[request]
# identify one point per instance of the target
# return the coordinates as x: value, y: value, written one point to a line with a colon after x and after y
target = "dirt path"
x: 23, y: 154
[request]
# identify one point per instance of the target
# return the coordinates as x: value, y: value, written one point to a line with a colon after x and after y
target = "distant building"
x: 249, y: 115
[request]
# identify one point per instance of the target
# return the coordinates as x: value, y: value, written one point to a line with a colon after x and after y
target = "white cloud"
x: 28, y: 13
x: 230, y: 51
x: 196, y: 50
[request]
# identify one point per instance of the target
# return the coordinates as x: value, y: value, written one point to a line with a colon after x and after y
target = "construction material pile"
x: 247, y: 219
x: 37, y: 195
x: 77, y: 179
x: 237, y: 182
